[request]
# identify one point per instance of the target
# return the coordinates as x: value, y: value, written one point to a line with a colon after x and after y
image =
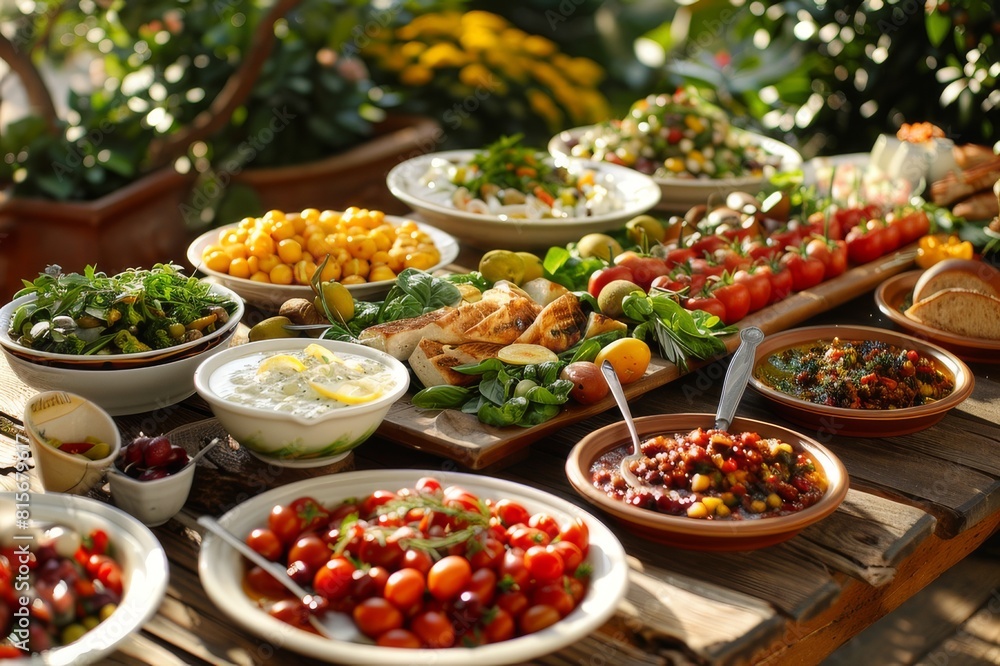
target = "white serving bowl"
x: 140, y: 555
x: 678, y: 195
x: 153, y: 502
x: 221, y: 571
x: 68, y: 418
x: 117, y: 361
x: 637, y: 192
x: 127, y: 391
x: 270, y: 296
x: 290, y: 440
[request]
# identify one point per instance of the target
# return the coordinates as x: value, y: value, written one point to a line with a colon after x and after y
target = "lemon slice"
x: 321, y: 353
x: 350, y: 392
x: 281, y: 363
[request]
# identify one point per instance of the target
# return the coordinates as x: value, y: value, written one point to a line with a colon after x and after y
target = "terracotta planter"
x: 352, y: 178
x: 136, y: 226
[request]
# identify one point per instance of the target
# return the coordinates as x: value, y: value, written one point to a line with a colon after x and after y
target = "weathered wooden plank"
x: 600, y: 648
x: 923, y: 622
x: 866, y: 537
x: 660, y: 606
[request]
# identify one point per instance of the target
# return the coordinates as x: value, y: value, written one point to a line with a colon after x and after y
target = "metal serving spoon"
x: 332, y: 625
x: 733, y: 387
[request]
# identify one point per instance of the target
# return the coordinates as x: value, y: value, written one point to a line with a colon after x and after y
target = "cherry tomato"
x: 912, y: 225
x: 757, y: 284
x: 429, y: 485
x: 483, y: 584
x: 266, y: 542
x: 780, y: 278
x: 736, y: 299
x: 543, y: 564
x: 524, y: 537
x: 706, y: 267
x: 375, y: 616
x: 838, y: 259
x: 405, y: 588
x: 334, y: 579
x: 570, y: 553
x: 264, y: 584
x: 576, y: 532
x: 455, y: 496
x: 555, y: 595
x: 644, y: 269
x: 97, y: 541
x: 513, y: 601
x: 679, y: 256
x: 806, y: 271
x: 709, y: 304
x: 783, y: 238
x: 434, y: 629
x: 379, y: 551
x: 399, y: 638
x: 545, y: 523
x: 291, y: 520
x: 864, y: 244
x: 600, y: 278
x: 513, y: 570
x: 706, y: 244
x: 417, y: 559
x: 487, y: 554
x: 291, y: 611
x: 499, y: 626
x: 448, y: 577
x: 311, y: 550
x: 375, y: 500
x: 536, y: 618
x: 575, y: 587
x: 511, y: 513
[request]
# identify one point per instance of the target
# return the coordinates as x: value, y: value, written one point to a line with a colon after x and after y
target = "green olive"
x: 645, y: 229
x: 271, y: 328
x: 338, y: 299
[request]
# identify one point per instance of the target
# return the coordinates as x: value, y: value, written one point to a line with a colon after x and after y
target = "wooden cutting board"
x: 462, y: 438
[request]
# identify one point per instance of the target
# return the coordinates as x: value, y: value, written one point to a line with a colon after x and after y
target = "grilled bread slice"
x: 400, y: 338
x: 506, y: 324
x: 957, y: 274
x: 433, y: 362
x: 559, y: 325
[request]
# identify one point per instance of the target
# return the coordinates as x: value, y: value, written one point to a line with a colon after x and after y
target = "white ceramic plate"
x: 98, y: 361
x: 221, y: 568
x: 680, y: 194
x: 143, y: 562
x: 637, y: 192
x: 271, y: 296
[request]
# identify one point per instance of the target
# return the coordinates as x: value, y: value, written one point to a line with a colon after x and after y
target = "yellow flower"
x: 546, y: 73
x: 478, y: 39
x: 485, y: 20
x: 443, y: 54
x: 412, y: 50
x: 394, y: 61
x: 594, y: 104
x: 513, y: 38
x: 415, y: 75
x: 543, y: 106
x: 584, y: 71
x: 538, y: 46
x: 475, y: 74
x: 431, y: 25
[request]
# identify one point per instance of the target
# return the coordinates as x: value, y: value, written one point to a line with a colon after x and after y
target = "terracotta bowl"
x: 891, y: 295
x: 696, y: 533
x: 862, y: 422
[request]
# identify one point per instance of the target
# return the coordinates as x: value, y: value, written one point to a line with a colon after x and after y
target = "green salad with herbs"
x: 135, y: 311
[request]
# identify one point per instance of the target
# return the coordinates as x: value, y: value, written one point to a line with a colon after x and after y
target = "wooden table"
x: 918, y: 505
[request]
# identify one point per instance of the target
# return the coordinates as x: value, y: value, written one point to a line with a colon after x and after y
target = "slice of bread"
x: 960, y: 311
x: 958, y: 274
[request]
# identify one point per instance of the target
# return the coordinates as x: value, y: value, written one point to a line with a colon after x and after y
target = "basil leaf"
x: 441, y: 397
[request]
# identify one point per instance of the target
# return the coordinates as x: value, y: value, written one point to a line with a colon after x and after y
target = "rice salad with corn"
x: 676, y: 136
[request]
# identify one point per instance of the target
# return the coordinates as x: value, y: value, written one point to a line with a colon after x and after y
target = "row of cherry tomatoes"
x: 427, y: 566
x: 731, y: 273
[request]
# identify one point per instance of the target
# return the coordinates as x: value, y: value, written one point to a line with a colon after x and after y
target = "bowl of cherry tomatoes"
x: 96, y: 576
x: 419, y: 564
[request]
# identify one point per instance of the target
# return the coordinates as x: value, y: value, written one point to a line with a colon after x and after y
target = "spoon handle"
x: 619, y: 393
x: 737, y: 376
x: 276, y: 571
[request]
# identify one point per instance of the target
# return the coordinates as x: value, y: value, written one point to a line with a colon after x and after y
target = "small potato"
x: 589, y: 385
